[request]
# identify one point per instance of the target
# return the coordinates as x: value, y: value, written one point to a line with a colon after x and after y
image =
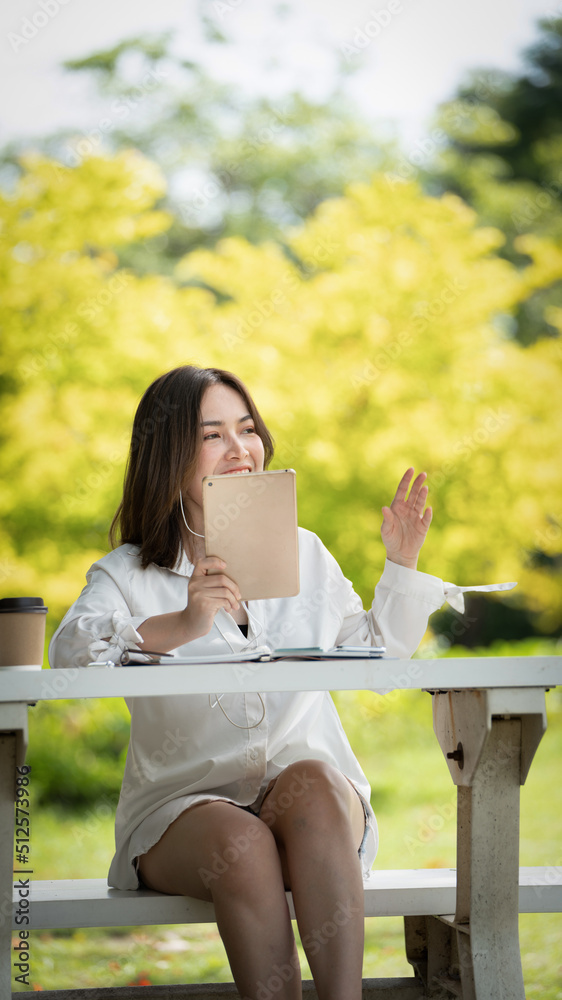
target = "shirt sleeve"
x: 404, y: 599
x: 99, y: 626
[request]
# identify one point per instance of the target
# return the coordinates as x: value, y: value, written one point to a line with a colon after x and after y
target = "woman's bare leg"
x: 220, y: 852
x: 318, y: 822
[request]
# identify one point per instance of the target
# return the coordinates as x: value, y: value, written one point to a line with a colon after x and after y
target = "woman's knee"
x: 212, y: 846
x: 241, y: 858
x: 308, y: 786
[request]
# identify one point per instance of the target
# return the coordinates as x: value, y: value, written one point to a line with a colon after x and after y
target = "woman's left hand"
x: 405, y: 523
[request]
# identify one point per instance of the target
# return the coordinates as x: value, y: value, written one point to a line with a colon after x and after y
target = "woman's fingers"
x: 427, y: 516
x: 420, y: 498
x: 217, y: 586
x: 400, y: 494
x: 208, y: 565
x: 224, y: 594
x: 417, y: 488
x: 209, y: 589
x: 418, y: 491
x: 209, y: 583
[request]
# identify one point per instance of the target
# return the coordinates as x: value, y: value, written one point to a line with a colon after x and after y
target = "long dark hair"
x: 165, y: 446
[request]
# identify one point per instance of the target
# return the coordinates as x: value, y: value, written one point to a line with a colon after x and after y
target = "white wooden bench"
x: 409, y: 893
x: 71, y: 903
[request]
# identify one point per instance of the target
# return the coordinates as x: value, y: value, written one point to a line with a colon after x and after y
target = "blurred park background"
x: 390, y: 300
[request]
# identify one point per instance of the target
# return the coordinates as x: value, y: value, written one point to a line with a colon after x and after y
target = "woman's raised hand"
x: 405, y: 523
x: 209, y: 590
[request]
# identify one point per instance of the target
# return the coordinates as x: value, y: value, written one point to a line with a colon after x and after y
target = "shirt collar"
x: 182, y: 565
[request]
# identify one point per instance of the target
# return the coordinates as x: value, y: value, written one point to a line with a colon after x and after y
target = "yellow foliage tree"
x: 387, y: 346
x: 378, y: 337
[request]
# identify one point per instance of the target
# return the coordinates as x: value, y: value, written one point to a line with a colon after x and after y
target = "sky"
x: 407, y: 55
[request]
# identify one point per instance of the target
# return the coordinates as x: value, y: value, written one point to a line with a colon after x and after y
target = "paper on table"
x: 260, y: 654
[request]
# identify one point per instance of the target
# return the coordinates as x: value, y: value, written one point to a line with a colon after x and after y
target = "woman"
x: 234, y: 798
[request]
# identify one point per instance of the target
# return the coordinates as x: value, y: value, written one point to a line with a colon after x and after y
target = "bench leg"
x: 7, y: 779
x: 487, y: 915
x: 431, y: 949
x: 474, y: 954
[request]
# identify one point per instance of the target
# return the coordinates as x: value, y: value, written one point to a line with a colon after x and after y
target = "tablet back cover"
x: 251, y: 523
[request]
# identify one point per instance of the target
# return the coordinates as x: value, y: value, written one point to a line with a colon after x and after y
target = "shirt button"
x: 254, y: 754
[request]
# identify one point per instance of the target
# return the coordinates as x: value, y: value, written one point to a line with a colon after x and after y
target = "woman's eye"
x: 214, y: 434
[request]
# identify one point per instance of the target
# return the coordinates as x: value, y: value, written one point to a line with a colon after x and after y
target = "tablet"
x: 251, y: 523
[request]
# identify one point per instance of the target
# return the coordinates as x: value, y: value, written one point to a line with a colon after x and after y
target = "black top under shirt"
x: 243, y: 629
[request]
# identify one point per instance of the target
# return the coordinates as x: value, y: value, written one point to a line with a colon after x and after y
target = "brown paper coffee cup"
x: 22, y: 632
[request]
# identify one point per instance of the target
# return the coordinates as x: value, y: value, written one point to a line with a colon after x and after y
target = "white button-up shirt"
x: 195, y: 748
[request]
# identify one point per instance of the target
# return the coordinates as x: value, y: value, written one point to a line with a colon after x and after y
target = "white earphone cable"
x: 185, y: 522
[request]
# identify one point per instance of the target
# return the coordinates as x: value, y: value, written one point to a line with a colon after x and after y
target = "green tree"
x: 498, y: 145
x: 246, y: 166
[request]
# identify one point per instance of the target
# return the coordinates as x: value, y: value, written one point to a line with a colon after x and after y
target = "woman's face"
x: 229, y: 441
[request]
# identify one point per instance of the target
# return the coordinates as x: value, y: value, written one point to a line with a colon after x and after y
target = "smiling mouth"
x: 235, y: 472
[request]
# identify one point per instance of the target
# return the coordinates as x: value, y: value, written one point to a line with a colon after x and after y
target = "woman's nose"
x: 236, y: 446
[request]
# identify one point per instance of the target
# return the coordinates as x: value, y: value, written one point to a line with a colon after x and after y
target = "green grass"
x: 414, y: 799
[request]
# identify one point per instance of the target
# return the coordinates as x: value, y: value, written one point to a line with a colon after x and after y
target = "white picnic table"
x: 489, y: 717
